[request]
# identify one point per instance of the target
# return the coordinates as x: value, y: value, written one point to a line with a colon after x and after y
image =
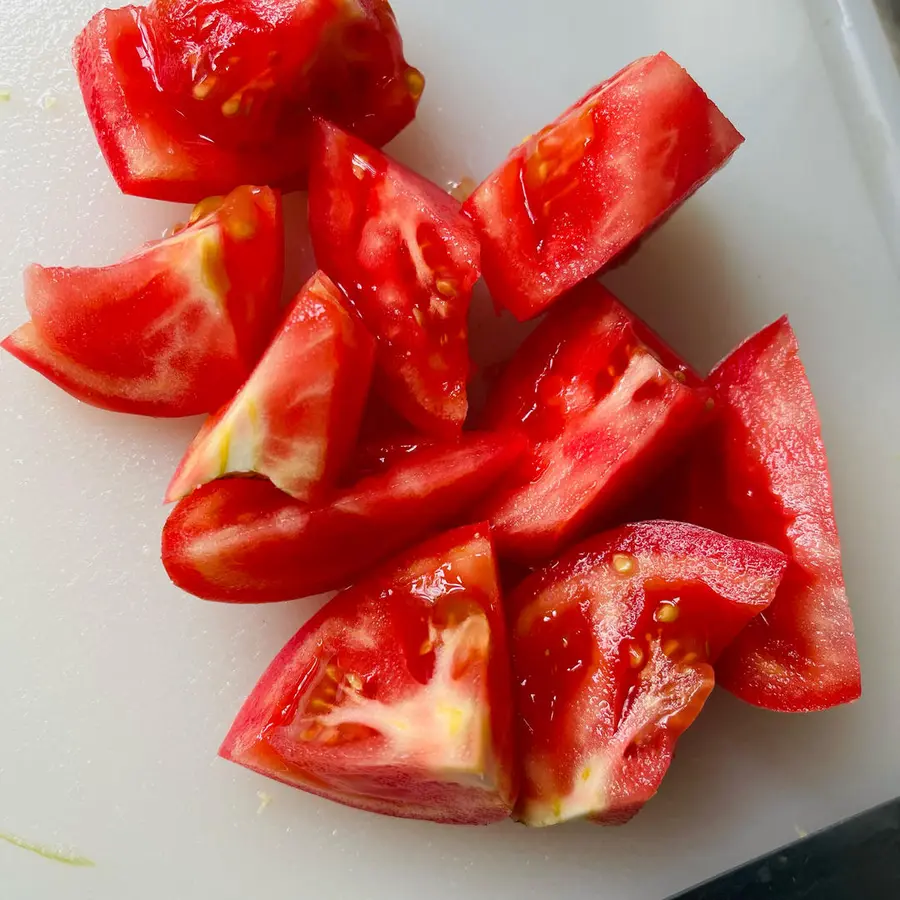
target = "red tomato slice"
x: 296, y: 419
x: 173, y: 330
x: 601, y: 412
x: 189, y: 98
x: 763, y: 475
x: 613, y: 648
x: 395, y: 698
x: 242, y: 540
x: 408, y: 259
x: 575, y: 196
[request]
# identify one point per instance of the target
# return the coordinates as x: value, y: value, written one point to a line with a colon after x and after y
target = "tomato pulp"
x: 395, y: 698
x: 408, y: 259
x: 172, y: 330
x: 613, y: 652
x: 189, y: 99
x: 573, y: 198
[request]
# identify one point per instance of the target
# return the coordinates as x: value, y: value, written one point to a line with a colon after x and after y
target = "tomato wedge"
x: 173, y: 330
x: 395, y: 698
x: 763, y: 475
x: 574, y: 197
x: 408, y: 259
x: 601, y: 412
x: 613, y: 647
x: 296, y: 419
x: 241, y: 540
x: 190, y: 98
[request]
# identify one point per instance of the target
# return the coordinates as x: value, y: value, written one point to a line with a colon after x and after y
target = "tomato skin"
x: 763, y: 475
x: 296, y: 419
x: 408, y: 259
x: 241, y: 540
x: 172, y: 330
x: 613, y: 647
x: 601, y: 414
x: 188, y: 101
x: 573, y: 198
x: 421, y: 642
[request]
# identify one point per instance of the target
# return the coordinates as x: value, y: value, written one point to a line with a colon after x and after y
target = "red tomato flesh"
x: 241, y: 540
x: 600, y: 411
x: 395, y: 698
x: 190, y: 98
x: 296, y: 419
x: 173, y: 330
x: 613, y: 647
x: 763, y: 475
x: 408, y: 259
x: 574, y: 197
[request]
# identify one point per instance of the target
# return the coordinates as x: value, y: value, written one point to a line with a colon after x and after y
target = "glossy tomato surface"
x: 613, y: 647
x: 241, y: 540
x: 574, y: 197
x: 296, y: 419
x: 172, y: 330
x: 190, y: 98
x: 395, y: 698
x: 408, y: 259
x: 763, y: 475
x: 600, y: 411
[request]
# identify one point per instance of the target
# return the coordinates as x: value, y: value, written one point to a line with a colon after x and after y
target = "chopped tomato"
x: 408, y: 258
x: 395, y: 698
x: 571, y: 199
x: 190, y: 98
x: 173, y: 330
x: 241, y: 540
x: 296, y: 419
x: 763, y: 475
x: 613, y: 651
x: 601, y: 412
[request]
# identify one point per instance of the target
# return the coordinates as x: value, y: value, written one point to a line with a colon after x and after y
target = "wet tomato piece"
x: 172, y: 330
x: 613, y: 651
x: 763, y: 475
x: 408, y: 259
x: 190, y: 98
x: 241, y: 540
x: 574, y: 197
x: 603, y: 403
x: 296, y: 419
x: 395, y: 698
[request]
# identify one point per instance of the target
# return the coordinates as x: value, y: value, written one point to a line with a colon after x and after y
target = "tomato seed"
x: 624, y: 563
x: 667, y: 612
x: 415, y: 82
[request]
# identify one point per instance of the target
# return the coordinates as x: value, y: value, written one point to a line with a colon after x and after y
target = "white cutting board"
x: 115, y: 689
